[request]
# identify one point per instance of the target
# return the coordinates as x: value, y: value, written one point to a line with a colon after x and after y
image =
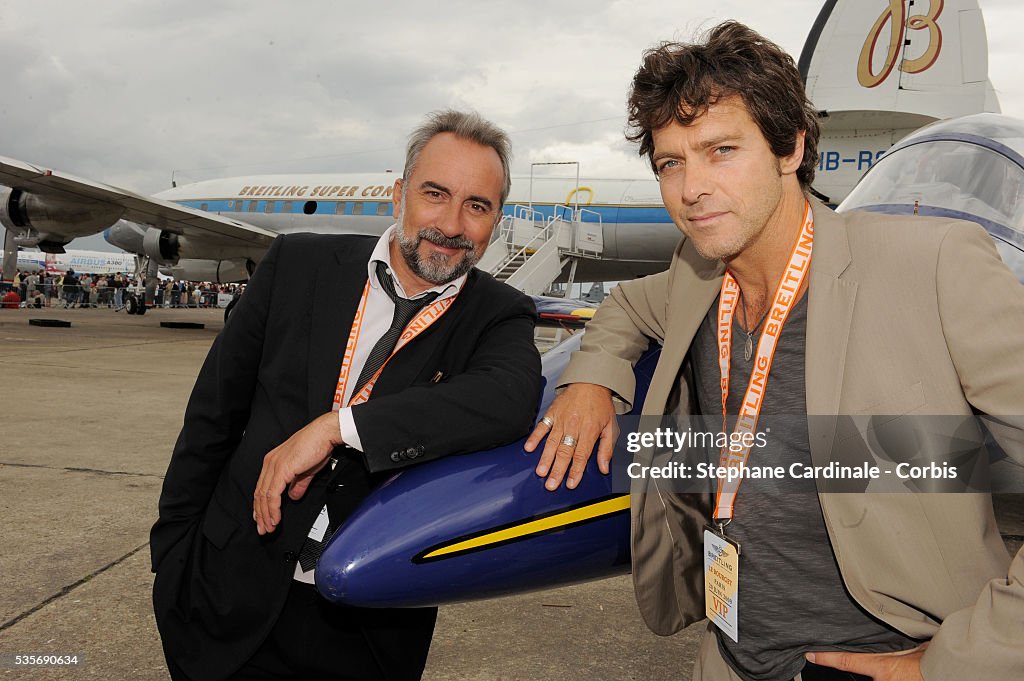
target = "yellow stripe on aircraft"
x: 552, y: 522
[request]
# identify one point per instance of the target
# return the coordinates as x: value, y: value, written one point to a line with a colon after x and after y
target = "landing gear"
x: 134, y: 305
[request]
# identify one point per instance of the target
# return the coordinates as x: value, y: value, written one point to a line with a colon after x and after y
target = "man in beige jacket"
x: 894, y: 316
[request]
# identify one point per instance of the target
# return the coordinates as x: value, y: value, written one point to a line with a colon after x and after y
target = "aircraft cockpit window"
x: 950, y: 175
x: 950, y: 178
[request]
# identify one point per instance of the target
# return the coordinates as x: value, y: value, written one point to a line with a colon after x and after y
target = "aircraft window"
x: 946, y: 174
x: 204, y: 206
x: 382, y: 208
x: 252, y: 206
x: 238, y: 206
x: 357, y: 208
x: 286, y: 207
x: 309, y: 207
x: 269, y: 208
x: 339, y: 208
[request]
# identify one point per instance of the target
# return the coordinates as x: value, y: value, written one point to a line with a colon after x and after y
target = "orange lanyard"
x: 736, y: 455
x: 418, y: 325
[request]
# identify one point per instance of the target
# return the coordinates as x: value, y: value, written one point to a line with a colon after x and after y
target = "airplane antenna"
x: 558, y: 163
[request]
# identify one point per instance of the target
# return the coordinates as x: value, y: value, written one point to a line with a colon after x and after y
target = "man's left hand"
x: 293, y: 464
x: 904, y: 665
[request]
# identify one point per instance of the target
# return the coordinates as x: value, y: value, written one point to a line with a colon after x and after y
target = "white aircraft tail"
x: 906, y: 61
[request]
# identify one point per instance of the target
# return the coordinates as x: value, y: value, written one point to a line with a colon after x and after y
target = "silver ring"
x: 548, y: 421
x: 569, y: 441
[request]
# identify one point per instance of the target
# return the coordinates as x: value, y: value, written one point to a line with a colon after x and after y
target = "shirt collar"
x: 382, y: 253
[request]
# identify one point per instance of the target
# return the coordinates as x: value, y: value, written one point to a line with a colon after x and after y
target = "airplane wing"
x: 68, y: 190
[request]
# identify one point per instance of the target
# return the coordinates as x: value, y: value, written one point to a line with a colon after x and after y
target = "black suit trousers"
x: 315, y: 639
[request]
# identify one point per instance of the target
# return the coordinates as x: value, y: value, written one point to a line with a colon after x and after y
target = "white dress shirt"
x: 377, y: 317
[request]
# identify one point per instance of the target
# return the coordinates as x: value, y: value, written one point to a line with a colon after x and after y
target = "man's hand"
x: 902, y: 666
x: 293, y: 464
x: 584, y: 413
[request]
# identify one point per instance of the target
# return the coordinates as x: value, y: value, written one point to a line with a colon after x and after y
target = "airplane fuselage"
x: 90, y: 262
x: 638, y: 235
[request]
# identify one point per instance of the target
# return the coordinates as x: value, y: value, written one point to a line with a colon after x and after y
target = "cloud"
x: 127, y: 93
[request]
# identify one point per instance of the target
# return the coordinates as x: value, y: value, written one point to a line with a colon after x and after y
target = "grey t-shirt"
x: 791, y: 595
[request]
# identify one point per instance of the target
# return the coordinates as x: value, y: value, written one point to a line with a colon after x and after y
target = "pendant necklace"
x: 748, y: 344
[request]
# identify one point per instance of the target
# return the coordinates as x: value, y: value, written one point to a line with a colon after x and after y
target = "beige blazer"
x: 905, y: 316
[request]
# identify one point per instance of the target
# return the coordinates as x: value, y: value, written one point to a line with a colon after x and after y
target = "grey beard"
x: 435, y: 268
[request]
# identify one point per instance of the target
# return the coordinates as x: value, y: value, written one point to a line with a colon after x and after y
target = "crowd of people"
x: 71, y: 289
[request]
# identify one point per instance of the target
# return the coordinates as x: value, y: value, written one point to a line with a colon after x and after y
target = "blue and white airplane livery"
x: 636, y: 231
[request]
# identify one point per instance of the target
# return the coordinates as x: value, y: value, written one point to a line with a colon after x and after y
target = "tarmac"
x: 89, y: 417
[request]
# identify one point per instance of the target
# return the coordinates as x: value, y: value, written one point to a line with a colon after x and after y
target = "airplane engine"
x: 50, y: 221
x: 218, y: 271
x: 162, y: 246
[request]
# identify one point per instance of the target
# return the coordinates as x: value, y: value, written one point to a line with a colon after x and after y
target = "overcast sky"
x: 127, y: 92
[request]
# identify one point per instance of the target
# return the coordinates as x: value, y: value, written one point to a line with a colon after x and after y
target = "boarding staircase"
x: 533, y: 249
x: 537, y: 243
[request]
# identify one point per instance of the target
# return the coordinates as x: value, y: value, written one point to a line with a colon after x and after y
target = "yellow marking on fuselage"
x: 588, y: 512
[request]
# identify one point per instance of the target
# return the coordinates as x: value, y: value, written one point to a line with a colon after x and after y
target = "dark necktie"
x: 338, y: 505
x: 405, y: 310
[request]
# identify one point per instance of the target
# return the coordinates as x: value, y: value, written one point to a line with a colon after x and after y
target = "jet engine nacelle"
x: 160, y: 245
x: 49, y: 221
x: 219, y: 271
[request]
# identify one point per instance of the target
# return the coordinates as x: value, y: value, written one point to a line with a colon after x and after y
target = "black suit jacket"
x: 469, y: 382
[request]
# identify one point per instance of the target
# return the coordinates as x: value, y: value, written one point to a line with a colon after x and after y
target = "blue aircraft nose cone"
x: 480, y: 525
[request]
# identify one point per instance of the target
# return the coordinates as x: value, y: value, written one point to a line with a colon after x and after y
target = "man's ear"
x: 791, y: 163
x: 396, y: 200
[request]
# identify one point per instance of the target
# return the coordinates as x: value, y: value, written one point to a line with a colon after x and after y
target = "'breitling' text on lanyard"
x: 418, y: 325
x: 750, y: 409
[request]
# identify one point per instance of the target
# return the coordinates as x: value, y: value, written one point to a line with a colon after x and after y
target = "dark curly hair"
x: 679, y: 81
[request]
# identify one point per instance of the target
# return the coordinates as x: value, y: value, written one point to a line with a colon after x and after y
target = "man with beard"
x: 400, y: 352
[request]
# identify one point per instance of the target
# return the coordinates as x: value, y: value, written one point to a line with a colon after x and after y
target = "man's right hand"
x: 293, y: 465
x: 584, y: 413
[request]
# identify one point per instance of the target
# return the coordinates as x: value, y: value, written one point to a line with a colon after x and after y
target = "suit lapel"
x: 697, y: 283
x: 829, y: 314
x: 336, y: 294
